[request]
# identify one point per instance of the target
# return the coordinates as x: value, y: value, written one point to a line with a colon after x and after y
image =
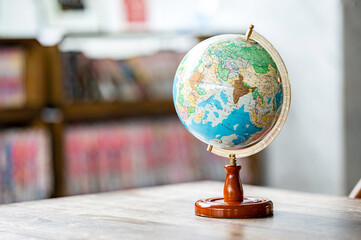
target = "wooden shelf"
x: 20, y: 115
x: 103, y: 111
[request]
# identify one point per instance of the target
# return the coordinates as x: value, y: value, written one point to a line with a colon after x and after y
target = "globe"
x: 227, y: 91
x: 233, y: 93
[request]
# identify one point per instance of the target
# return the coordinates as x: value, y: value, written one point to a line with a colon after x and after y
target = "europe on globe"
x: 227, y: 91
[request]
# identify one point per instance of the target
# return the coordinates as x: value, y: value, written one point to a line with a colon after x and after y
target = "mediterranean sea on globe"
x: 227, y: 91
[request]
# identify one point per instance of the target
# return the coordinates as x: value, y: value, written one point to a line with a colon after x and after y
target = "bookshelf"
x: 27, y: 111
x: 26, y: 167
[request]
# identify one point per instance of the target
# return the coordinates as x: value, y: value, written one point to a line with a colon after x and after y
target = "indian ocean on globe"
x: 227, y: 91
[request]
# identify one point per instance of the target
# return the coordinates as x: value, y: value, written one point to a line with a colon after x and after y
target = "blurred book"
x: 106, y: 157
x: 25, y: 166
x: 109, y: 80
x: 12, y: 72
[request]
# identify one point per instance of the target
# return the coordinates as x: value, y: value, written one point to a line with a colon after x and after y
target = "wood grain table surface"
x: 167, y: 212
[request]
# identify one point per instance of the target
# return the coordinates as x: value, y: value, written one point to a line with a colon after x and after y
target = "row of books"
x: 138, y: 78
x: 12, y: 70
x: 115, y: 156
x: 25, y: 168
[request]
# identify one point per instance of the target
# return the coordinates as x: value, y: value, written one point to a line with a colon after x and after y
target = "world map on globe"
x: 227, y: 91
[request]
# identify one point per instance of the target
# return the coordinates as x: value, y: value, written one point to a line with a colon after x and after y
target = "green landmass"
x: 245, y: 84
x: 258, y: 58
x: 191, y: 110
x: 200, y: 90
x: 274, y: 105
x: 223, y: 72
x: 180, y: 98
x: 256, y: 94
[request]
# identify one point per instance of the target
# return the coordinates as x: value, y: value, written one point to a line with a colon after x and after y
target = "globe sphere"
x: 227, y: 91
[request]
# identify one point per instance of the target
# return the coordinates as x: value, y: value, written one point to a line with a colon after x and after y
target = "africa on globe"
x: 227, y: 91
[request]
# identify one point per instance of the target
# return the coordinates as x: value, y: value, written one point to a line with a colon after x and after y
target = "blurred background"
x: 86, y: 105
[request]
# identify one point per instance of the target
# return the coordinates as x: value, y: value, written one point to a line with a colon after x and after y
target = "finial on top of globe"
x: 232, y: 92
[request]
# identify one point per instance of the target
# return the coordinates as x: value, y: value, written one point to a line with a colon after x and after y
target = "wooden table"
x: 167, y: 212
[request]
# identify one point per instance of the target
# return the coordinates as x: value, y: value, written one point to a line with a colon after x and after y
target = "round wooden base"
x: 250, y: 207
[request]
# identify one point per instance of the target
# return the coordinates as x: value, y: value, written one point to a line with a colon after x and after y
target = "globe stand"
x: 233, y: 204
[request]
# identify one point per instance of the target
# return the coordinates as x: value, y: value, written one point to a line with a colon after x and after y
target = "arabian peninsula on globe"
x: 227, y: 91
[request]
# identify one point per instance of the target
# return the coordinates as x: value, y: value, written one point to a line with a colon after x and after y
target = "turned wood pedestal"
x: 234, y: 204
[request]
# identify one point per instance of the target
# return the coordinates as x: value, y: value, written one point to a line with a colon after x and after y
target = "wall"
x: 18, y: 18
x: 352, y: 77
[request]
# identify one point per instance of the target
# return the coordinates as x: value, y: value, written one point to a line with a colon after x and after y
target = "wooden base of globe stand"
x: 233, y: 204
